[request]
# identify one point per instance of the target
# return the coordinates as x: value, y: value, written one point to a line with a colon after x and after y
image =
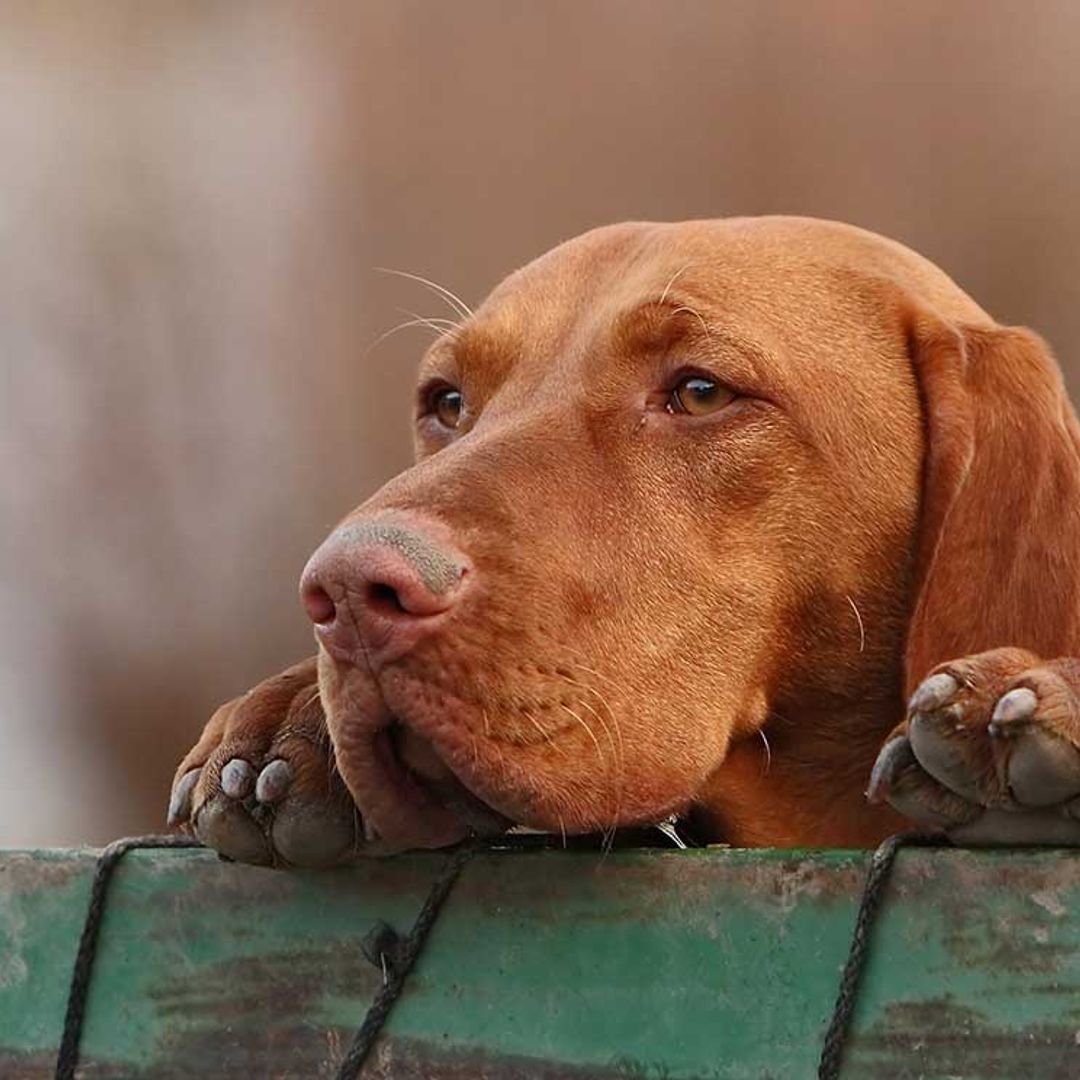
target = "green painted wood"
x: 640, y: 964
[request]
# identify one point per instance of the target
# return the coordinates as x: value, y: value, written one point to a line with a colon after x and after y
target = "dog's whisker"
x: 452, y: 299
x: 544, y: 733
x: 604, y: 702
x: 591, y: 671
x: 617, y: 747
x: 858, y: 619
x: 588, y: 730
x: 448, y: 327
x: 671, y: 281
x: 311, y: 700
x: 768, y: 752
x: 697, y: 315
x: 401, y: 326
x: 596, y: 674
x: 618, y: 763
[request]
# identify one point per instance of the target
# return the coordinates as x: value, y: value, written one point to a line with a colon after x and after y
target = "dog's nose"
x: 374, y: 589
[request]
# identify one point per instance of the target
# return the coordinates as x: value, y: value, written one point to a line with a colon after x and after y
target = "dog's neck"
x: 800, y: 783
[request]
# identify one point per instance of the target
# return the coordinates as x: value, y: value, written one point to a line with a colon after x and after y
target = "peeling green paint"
x: 638, y: 964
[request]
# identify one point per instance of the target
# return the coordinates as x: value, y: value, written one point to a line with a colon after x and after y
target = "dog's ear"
x: 998, y: 558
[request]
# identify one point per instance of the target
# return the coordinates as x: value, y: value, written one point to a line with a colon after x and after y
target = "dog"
x: 762, y: 522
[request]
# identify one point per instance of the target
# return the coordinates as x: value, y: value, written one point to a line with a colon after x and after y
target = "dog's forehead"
x: 555, y: 308
x: 798, y: 288
x: 737, y: 263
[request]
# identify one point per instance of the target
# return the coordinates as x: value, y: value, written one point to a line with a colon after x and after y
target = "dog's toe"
x: 917, y: 795
x: 941, y: 743
x: 289, y: 811
x: 273, y: 782
x: 315, y: 836
x: 225, y: 825
x: 261, y: 785
x: 237, y: 779
x: 180, y: 798
x: 934, y: 692
x: 1013, y: 712
x: 1043, y: 769
x: 900, y: 779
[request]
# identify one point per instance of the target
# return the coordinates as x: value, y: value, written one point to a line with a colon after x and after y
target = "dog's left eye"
x: 446, y: 405
x: 698, y: 395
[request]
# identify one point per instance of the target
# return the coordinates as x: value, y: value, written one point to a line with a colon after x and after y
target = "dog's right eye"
x: 698, y: 395
x: 446, y: 403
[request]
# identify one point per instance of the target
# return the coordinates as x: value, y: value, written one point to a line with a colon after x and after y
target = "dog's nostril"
x: 385, y: 598
x: 320, y: 608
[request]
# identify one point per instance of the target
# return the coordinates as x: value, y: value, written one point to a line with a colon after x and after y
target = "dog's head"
x: 668, y: 491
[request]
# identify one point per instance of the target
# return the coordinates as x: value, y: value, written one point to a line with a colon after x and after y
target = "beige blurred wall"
x: 193, y: 197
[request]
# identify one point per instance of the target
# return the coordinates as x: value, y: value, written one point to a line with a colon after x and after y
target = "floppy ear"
x: 998, y: 559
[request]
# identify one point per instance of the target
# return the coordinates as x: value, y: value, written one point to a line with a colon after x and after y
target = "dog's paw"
x: 261, y: 786
x: 990, y: 751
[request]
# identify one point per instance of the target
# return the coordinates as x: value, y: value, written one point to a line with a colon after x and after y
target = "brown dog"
x: 696, y: 507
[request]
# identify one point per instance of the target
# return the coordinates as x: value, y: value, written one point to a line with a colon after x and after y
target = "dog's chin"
x: 408, y: 797
x: 425, y: 778
x: 407, y: 793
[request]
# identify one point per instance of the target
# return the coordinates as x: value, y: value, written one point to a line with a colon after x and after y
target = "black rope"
x: 399, y: 955
x: 67, y: 1058
x: 877, y: 880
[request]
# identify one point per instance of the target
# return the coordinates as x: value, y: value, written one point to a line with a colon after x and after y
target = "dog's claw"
x: 273, y: 781
x: 237, y: 779
x: 895, y: 755
x: 1012, y: 711
x: 934, y: 692
x: 180, y: 799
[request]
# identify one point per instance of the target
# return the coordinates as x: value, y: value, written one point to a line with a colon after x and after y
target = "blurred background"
x: 193, y: 199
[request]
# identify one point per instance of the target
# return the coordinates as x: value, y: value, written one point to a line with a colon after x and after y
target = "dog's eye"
x: 697, y: 395
x: 446, y: 404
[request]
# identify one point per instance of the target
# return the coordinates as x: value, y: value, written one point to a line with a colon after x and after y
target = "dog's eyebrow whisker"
x: 674, y: 277
x: 401, y: 326
x: 441, y: 326
x: 768, y: 752
x: 697, y: 315
x: 452, y: 299
x: 858, y: 619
